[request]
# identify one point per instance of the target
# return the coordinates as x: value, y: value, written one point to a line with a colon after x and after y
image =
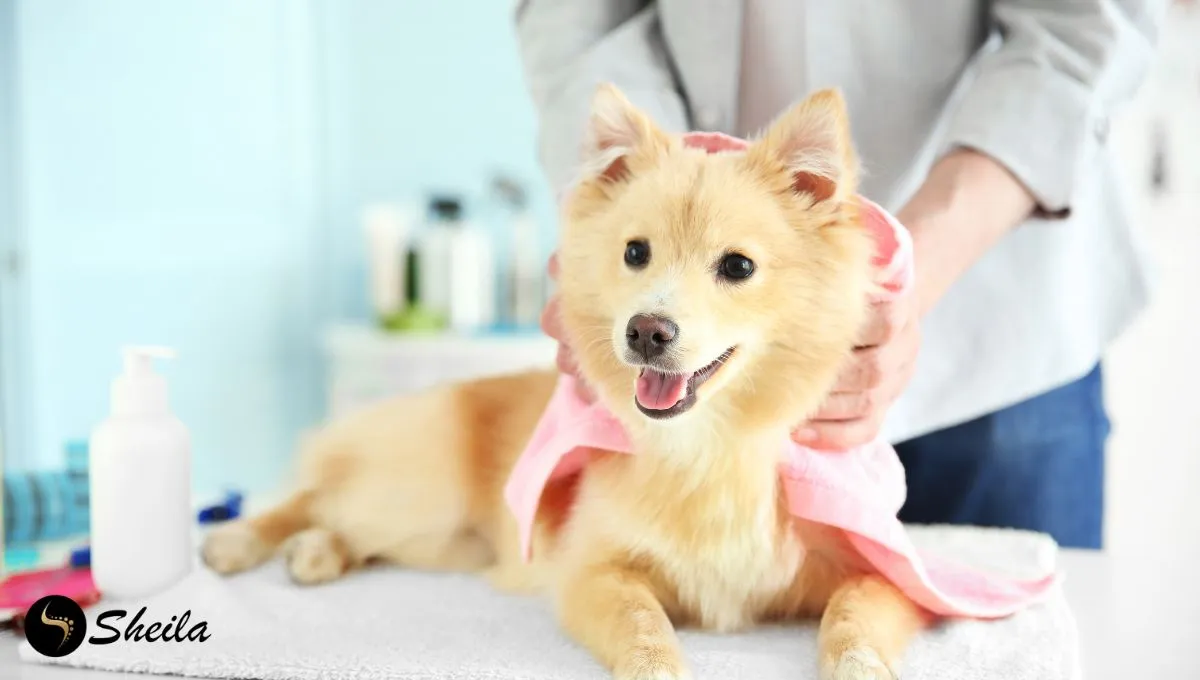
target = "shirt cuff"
x: 1037, y: 123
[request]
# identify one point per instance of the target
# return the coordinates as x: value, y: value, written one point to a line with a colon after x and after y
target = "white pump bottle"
x: 140, y: 469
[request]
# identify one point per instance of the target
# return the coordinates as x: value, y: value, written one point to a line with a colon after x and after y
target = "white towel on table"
x: 403, y: 625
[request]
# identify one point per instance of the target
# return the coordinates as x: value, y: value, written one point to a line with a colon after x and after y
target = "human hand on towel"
x: 876, y: 374
x: 552, y: 326
x: 967, y: 203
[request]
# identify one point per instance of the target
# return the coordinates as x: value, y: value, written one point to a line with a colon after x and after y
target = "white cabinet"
x: 365, y: 364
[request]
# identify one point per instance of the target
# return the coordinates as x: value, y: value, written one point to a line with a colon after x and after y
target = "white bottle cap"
x: 139, y: 390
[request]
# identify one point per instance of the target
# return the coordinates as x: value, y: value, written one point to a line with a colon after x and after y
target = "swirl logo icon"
x: 55, y: 626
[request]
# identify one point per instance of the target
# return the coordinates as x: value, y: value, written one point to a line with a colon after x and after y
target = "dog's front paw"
x: 858, y: 663
x: 315, y: 556
x: 234, y: 547
x: 653, y: 663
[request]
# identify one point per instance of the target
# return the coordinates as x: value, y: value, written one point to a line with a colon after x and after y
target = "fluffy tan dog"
x: 711, y: 299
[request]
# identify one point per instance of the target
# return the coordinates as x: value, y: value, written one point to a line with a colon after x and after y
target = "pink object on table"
x: 20, y: 591
x: 859, y: 491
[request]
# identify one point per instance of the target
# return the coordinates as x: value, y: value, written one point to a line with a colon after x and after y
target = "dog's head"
x: 720, y: 286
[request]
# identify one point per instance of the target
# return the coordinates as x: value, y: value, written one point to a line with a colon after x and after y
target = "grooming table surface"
x: 388, y: 623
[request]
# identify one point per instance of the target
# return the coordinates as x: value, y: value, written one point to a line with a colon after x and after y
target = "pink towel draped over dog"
x: 859, y: 491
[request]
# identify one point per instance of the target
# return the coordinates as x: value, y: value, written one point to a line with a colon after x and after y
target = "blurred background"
x: 271, y: 187
x: 201, y: 175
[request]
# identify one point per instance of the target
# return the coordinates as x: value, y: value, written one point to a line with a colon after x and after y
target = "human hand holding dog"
x: 870, y: 382
x: 965, y: 188
x: 967, y: 203
x: 552, y: 326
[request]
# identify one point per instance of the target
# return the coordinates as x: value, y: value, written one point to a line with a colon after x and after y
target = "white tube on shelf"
x: 386, y: 229
x: 473, y: 280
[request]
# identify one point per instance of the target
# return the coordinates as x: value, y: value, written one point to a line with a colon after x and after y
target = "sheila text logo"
x: 56, y: 626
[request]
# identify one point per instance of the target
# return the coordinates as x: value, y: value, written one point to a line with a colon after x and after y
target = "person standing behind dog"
x: 983, y: 126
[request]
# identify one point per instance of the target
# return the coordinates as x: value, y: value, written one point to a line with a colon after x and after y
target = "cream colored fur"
x: 692, y: 530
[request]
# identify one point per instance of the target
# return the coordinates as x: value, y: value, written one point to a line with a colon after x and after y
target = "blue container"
x: 18, y: 509
x: 39, y: 506
x: 48, y: 505
x: 77, y: 473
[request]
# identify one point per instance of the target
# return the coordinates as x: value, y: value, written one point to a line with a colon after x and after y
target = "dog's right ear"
x: 617, y: 132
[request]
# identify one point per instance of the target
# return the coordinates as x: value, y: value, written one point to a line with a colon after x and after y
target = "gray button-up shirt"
x: 1030, y: 83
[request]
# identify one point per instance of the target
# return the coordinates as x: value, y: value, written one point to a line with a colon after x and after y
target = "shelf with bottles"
x: 444, y: 267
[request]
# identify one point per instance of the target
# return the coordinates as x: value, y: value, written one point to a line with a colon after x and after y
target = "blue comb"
x: 230, y: 508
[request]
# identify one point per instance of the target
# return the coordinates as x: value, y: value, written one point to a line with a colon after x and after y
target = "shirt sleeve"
x: 569, y: 48
x: 1045, y: 86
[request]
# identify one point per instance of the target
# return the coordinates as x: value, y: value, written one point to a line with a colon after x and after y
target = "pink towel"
x: 859, y: 491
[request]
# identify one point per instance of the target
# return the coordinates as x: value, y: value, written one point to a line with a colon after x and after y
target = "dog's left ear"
x: 811, y: 144
x: 617, y: 133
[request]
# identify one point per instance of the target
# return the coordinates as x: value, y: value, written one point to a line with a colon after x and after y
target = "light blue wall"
x: 12, y: 297
x: 420, y: 96
x: 168, y: 198
x: 191, y: 175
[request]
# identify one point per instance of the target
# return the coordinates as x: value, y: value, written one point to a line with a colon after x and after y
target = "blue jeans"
x: 1037, y: 465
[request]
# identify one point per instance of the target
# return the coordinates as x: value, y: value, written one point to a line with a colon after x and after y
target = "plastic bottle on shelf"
x: 386, y: 228
x: 457, y: 269
x: 526, y: 279
x: 526, y: 266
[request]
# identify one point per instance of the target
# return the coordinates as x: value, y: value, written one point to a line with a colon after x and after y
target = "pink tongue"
x: 659, y: 391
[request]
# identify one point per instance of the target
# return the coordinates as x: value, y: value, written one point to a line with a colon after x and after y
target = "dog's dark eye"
x: 637, y: 253
x: 736, y: 267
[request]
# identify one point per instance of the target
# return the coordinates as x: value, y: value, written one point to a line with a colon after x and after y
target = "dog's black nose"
x: 650, y: 336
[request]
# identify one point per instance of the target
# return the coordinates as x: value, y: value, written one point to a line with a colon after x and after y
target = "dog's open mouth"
x: 665, y: 395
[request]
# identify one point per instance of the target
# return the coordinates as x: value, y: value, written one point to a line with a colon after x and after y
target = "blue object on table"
x: 81, y: 557
x: 230, y: 508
